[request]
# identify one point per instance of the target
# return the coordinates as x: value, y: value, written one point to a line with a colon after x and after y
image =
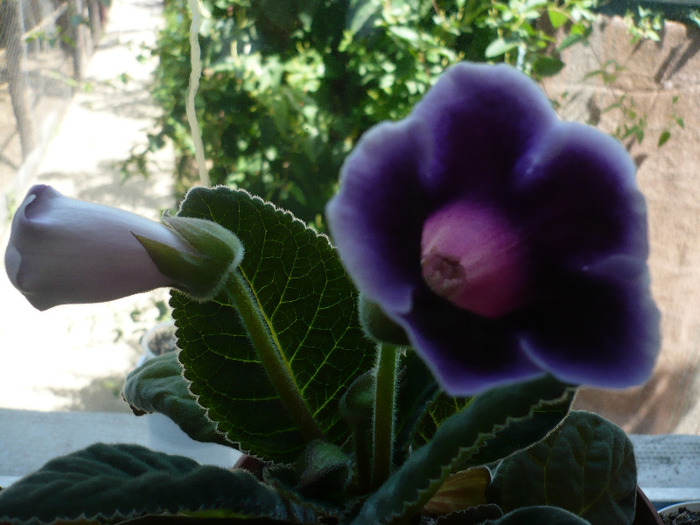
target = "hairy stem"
x: 384, y: 401
x: 271, y: 356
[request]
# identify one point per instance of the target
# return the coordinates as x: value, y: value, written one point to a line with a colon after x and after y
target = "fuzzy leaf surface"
x: 110, y: 483
x: 585, y: 466
x: 471, y: 437
x: 158, y: 386
x: 310, y: 307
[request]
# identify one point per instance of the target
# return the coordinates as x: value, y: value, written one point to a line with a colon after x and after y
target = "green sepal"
x: 110, y: 483
x: 357, y: 403
x: 495, y: 424
x: 201, y: 272
x: 158, y: 386
x: 378, y: 326
x: 586, y: 466
x: 319, y: 480
x: 325, y: 471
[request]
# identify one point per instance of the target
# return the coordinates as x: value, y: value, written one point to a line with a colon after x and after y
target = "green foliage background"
x: 288, y: 87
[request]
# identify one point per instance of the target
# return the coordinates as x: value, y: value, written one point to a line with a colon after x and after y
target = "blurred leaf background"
x: 288, y: 87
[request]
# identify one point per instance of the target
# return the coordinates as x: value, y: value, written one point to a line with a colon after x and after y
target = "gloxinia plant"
x: 489, y: 260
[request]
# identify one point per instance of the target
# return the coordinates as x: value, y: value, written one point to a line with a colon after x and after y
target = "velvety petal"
x: 467, y: 353
x: 598, y: 327
x: 62, y: 251
x: 376, y: 217
x: 481, y: 119
x: 559, y: 200
x: 576, y: 199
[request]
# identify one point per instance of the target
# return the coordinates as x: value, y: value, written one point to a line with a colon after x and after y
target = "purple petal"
x: 481, y: 119
x: 576, y: 198
x: 377, y: 215
x: 466, y: 352
x: 598, y: 327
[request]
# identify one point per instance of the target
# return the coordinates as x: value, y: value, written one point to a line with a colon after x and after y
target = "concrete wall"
x: 654, y: 73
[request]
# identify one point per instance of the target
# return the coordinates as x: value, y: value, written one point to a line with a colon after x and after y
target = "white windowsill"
x: 668, y: 465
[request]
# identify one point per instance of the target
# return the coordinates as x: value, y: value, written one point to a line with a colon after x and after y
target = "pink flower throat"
x: 474, y: 258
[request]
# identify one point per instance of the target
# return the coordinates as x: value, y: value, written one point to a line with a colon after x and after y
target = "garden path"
x: 75, y: 357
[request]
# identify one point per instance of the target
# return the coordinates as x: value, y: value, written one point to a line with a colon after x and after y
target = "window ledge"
x: 668, y: 465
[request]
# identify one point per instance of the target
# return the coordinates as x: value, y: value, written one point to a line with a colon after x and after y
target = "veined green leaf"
x: 114, y: 482
x: 585, y: 466
x: 309, y: 307
x: 494, y: 425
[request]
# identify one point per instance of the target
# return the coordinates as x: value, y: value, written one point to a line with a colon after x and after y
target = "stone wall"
x: 652, y: 74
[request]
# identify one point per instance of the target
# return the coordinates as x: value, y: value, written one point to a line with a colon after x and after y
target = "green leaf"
x: 663, y: 138
x: 438, y: 410
x: 547, y: 66
x: 585, y: 466
x: 569, y: 41
x: 361, y: 13
x: 309, y: 308
x: 500, y: 46
x: 113, y: 482
x: 495, y: 424
x: 556, y: 18
x: 405, y: 33
x: 158, y: 386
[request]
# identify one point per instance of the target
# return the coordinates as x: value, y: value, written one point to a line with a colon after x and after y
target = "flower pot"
x: 645, y: 513
x: 681, y: 514
x: 159, y: 340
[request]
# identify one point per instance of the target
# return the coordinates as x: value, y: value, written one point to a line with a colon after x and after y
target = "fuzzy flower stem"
x: 271, y: 357
x: 384, y: 401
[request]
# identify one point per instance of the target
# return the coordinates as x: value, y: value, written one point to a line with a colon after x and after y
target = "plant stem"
x: 195, y: 73
x: 271, y: 356
x: 384, y: 413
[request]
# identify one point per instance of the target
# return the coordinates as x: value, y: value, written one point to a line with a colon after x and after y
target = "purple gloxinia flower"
x: 506, y: 243
x: 64, y: 251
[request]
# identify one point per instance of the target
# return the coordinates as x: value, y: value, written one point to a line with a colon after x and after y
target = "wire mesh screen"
x: 43, y: 46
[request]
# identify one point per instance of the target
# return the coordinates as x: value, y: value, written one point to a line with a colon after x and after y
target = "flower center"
x: 474, y: 258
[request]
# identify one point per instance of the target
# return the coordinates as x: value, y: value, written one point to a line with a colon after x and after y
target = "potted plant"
x: 685, y: 513
x: 488, y: 259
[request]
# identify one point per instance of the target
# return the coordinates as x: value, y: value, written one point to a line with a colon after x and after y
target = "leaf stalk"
x: 384, y: 406
x: 271, y: 356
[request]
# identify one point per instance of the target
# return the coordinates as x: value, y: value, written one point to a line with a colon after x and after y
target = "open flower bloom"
x: 507, y: 243
x: 64, y: 251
